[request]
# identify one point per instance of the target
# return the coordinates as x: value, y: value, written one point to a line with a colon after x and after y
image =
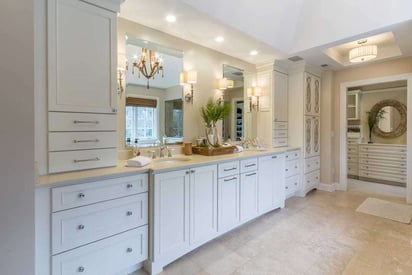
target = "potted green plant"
x: 211, y: 113
x: 373, y: 119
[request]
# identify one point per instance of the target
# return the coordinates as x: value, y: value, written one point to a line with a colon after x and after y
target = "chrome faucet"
x: 161, y: 149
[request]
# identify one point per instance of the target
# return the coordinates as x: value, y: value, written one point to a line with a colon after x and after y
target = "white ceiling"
x: 277, y: 28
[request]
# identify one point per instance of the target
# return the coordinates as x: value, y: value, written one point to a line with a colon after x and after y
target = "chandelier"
x: 363, y: 52
x: 149, y: 64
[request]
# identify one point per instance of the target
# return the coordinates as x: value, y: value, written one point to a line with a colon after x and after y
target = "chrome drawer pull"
x: 129, y: 185
x: 229, y: 169
x: 286, y: 169
x: 296, y: 167
x: 296, y: 183
x: 250, y: 165
x: 251, y: 174
x: 274, y: 157
x: 187, y: 172
x: 85, y: 160
x: 296, y: 155
x: 129, y: 250
x: 80, y: 227
x: 286, y: 187
x: 85, y: 140
x: 81, y: 195
x: 86, y: 122
x: 80, y: 269
x: 234, y: 178
x: 129, y: 213
x: 192, y: 171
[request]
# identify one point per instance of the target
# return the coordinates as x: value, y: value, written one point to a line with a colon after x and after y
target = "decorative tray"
x: 213, y: 151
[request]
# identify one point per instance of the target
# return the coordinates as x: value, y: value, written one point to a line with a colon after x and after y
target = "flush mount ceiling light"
x: 219, y: 39
x: 170, y: 18
x: 253, y: 52
x: 363, y: 52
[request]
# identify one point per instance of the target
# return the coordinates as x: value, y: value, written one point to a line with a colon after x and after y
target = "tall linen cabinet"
x: 304, y: 122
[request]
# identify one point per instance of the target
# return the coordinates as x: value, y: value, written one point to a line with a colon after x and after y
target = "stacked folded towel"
x: 139, y: 161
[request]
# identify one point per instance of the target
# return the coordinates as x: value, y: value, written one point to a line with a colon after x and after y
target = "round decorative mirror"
x: 391, y: 118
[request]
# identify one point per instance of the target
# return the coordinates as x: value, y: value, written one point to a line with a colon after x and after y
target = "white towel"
x: 139, y: 161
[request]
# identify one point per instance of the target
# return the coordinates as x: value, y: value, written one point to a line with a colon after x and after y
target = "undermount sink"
x: 172, y: 159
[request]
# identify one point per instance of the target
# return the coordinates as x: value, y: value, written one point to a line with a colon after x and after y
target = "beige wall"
x: 375, y: 70
x: 367, y: 101
x: 208, y: 64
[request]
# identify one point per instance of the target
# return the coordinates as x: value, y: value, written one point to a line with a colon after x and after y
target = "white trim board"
x: 343, y: 184
x: 329, y: 187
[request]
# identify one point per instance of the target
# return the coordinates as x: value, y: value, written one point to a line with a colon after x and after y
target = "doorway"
x: 343, y: 140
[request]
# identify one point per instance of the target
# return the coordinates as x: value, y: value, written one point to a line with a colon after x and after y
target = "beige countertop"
x: 156, y: 166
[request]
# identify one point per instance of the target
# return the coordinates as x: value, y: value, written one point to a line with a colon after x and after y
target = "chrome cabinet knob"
x: 81, y: 195
x: 129, y: 185
x: 129, y: 250
x: 129, y: 213
x: 80, y: 269
x: 80, y: 227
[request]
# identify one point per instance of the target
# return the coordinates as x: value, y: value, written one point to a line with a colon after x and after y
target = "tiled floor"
x: 319, y: 234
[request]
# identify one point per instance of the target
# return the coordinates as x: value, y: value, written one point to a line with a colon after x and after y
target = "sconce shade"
x: 363, y: 53
x: 254, y: 91
x: 189, y: 77
x: 222, y: 84
x: 230, y: 83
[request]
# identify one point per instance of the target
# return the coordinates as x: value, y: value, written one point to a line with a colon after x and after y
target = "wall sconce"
x: 254, y: 93
x: 189, y: 77
x: 120, y: 74
x: 225, y: 83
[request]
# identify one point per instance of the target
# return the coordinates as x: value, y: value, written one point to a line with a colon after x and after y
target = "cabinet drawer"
x: 388, y: 163
x: 81, y: 122
x: 401, y: 150
x: 312, y: 179
x: 292, y: 168
x: 292, y: 184
x: 248, y: 165
x: 292, y: 155
x: 383, y: 169
x: 381, y: 157
x: 352, y: 159
x: 353, y: 169
x: 312, y: 164
x: 280, y: 133
x: 87, y: 193
x: 80, y: 160
x: 382, y: 176
x: 83, y: 225
x: 280, y: 142
x: 280, y: 125
x: 63, y: 141
x: 228, y: 169
x: 106, y: 257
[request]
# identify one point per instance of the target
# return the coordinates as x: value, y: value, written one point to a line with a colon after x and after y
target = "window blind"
x: 141, y: 102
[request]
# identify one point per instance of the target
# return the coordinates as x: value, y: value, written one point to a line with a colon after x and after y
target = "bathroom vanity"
x: 115, y: 220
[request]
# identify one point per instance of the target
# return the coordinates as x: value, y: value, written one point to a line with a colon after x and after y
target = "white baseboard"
x: 329, y: 187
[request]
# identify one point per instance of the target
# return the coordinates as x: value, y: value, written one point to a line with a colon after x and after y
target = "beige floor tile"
x: 318, y: 234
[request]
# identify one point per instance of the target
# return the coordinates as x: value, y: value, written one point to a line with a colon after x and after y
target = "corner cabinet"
x: 82, y: 60
x: 304, y: 122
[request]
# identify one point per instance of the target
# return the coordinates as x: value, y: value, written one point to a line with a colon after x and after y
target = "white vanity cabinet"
x: 248, y: 189
x: 82, y: 85
x: 271, y: 184
x: 184, y: 211
x: 94, y: 227
x: 82, y: 45
x: 304, y: 121
x: 228, y: 195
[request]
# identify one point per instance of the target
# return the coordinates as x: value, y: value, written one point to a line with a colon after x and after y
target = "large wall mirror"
x: 234, y: 126
x: 392, y: 118
x: 154, y: 106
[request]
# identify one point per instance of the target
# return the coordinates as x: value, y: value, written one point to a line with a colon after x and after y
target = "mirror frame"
x: 401, y: 129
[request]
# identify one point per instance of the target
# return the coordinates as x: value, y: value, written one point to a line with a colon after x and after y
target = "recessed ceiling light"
x: 253, y: 52
x: 171, y: 18
x: 219, y: 39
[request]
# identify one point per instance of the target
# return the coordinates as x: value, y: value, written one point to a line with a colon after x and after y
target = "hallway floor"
x: 318, y: 234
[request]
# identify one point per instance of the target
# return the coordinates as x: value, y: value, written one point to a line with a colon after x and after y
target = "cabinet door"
x: 248, y: 195
x: 271, y: 185
x: 312, y: 94
x: 280, y: 97
x: 171, y: 214
x: 81, y: 57
x: 203, y: 204
x: 228, y: 203
x: 311, y: 136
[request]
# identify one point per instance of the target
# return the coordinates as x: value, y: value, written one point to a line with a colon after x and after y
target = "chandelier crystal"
x: 149, y: 64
